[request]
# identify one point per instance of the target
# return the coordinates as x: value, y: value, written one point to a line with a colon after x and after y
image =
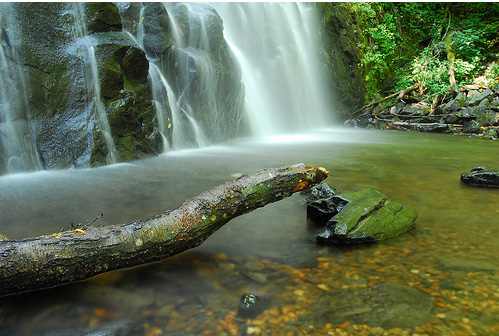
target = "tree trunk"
x: 76, y: 255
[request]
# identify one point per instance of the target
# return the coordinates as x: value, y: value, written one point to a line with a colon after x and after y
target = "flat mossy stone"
x: 386, y: 305
x: 367, y: 216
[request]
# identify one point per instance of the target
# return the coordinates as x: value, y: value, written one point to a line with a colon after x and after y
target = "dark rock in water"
x: 364, y: 215
x: 322, y: 190
x: 482, y: 177
x: 382, y: 305
x: 321, y: 206
x: 156, y: 29
x: 253, y: 304
x: 471, y: 127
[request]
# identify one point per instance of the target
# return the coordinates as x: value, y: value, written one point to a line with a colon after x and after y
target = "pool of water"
x: 451, y: 255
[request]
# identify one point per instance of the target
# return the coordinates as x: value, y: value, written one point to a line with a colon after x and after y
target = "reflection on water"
x: 451, y: 255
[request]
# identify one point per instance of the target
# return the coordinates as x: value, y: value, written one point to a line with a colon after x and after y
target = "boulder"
x: 488, y: 117
x: 383, y: 305
x: 482, y: 177
x: 418, y: 109
x: 452, y: 106
x: 472, y: 127
x: 475, y: 100
x: 361, y: 216
x: 471, y: 112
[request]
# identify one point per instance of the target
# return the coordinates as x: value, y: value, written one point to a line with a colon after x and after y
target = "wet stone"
x: 481, y: 177
x: 362, y: 216
x: 253, y: 304
x: 447, y: 285
x: 467, y: 265
x: 382, y: 305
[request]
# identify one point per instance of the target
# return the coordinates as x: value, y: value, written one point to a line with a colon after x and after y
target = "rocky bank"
x: 474, y: 110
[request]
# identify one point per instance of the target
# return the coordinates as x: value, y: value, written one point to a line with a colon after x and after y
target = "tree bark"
x: 76, y: 255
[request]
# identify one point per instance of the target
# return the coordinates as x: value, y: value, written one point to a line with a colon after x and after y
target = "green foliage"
x: 404, y: 43
x: 491, y: 76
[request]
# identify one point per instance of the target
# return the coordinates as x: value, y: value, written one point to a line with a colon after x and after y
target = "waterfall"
x: 86, y: 47
x: 175, y: 116
x: 194, y: 88
x: 217, y: 71
x: 277, y: 46
x: 17, y: 142
x: 275, y: 49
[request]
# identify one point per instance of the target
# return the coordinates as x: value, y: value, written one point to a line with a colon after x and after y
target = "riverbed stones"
x: 482, y: 177
x: 386, y: 305
x: 361, y: 216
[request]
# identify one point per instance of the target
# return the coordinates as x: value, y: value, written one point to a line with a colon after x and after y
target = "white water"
x: 196, y: 78
x: 163, y: 95
x: 93, y: 83
x: 274, y: 46
x: 277, y: 49
x: 17, y: 142
x: 277, y: 46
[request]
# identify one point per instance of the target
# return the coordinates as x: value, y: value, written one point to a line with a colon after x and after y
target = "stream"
x: 451, y: 255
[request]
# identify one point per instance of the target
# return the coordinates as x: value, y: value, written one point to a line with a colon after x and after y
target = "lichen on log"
x: 76, y: 255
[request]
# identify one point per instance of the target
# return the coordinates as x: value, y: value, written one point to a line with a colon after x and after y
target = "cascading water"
x: 86, y: 47
x: 196, y: 76
x: 277, y: 46
x: 217, y: 72
x: 196, y: 87
x: 17, y: 144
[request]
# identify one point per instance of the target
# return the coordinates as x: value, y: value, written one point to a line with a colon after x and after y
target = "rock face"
x: 341, y: 38
x: 482, y: 177
x: 62, y: 110
x: 90, y: 100
x: 382, y: 305
x: 362, y: 216
x: 126, y: 94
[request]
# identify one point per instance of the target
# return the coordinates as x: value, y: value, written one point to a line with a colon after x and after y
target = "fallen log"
x: 76, y: 255
x: 398, y: 95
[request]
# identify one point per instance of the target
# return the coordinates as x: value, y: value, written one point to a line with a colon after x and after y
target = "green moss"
x: 102, y: 17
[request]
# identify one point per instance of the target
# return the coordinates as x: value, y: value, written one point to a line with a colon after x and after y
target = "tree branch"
x: 76, y: 255
x: 399, y: 95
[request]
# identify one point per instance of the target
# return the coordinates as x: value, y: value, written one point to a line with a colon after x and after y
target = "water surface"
x: 451, y: 254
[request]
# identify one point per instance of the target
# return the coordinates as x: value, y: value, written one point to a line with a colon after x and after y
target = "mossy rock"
x: 135, y: 66
x: 102, y: 17
x: 365, y: 215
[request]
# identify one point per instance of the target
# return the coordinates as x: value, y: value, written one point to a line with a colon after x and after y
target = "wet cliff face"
x: 57, y: 97
x: 60, y: 107
x: 343, y: 58
x: 54, y: 39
